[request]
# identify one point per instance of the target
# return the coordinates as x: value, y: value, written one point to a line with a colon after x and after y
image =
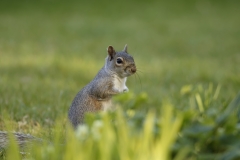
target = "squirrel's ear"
x: 125, y: 48
x: 111, y: 52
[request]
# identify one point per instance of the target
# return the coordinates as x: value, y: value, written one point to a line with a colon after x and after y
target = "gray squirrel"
x: 109, y: 81
x: 94, y: 97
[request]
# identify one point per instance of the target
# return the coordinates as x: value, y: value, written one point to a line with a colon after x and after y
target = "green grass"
x: 184, y: 50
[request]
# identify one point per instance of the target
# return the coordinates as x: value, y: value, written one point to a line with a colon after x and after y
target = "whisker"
x: 135, y: 77
x: 139, y: 80
x: 139, y: 70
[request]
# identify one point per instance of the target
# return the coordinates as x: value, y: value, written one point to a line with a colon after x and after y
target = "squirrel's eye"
x: 119, y: 61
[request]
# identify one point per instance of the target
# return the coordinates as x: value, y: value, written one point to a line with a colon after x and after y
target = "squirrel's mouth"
x: 130, y: 71
x: 133, y: 70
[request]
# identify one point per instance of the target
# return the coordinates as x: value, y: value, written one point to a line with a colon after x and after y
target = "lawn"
x: 187, y: 54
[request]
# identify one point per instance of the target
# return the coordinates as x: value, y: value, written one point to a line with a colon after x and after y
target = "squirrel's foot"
x: 125, y: 89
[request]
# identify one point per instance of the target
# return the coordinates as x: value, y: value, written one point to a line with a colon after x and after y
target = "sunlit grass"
x: 106, y: 139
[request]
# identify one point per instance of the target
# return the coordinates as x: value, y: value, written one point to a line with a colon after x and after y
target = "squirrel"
x: 94, y: 97
x: 109, y: 81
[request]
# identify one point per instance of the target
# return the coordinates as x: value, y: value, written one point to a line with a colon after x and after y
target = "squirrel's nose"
x: 133, y: 70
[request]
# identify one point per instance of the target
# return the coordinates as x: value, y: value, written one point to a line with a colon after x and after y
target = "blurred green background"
x: 50, y: 49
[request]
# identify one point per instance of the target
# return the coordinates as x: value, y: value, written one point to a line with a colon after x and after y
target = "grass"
x: 184, y: 50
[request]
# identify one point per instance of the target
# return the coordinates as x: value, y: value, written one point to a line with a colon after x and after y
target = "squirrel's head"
x: 120, y: 62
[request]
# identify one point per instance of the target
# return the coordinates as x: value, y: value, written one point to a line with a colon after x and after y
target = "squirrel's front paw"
x: 125, y: 89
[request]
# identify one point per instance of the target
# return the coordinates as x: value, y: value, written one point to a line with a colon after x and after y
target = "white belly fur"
x: 119, y: 84
x: 106, y: 105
